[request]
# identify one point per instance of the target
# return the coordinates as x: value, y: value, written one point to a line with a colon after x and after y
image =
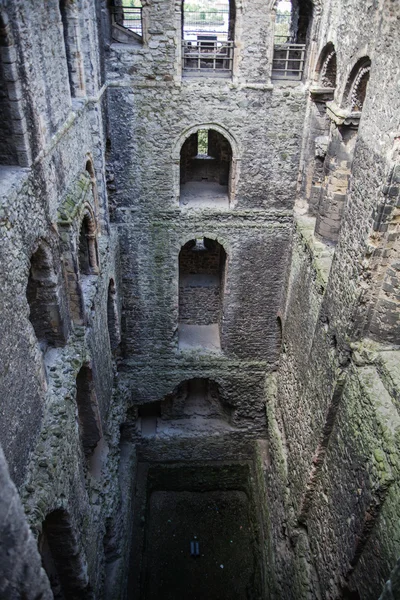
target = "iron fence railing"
x: 208, y: 56
x: 288, y: 61
x: 130, y: 18
x: 205, y: 18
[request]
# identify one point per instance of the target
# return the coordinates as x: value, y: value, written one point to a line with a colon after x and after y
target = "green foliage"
x: 202, y: 141
x: 131, y: 4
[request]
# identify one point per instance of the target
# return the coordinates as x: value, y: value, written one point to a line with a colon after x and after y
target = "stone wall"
x: 294, y: 367
x: 333, y: 399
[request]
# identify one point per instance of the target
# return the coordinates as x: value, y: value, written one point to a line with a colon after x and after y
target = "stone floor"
x: 204, y: 194
x: 219, y: 522
x: 205, y: 337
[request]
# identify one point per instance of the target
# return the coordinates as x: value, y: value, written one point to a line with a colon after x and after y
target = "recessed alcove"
x: 194, y: 408
x: 202, y: 264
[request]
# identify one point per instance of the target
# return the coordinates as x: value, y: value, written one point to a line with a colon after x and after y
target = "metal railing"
x: 130, y: 18
x: 288, y: 61
x: 207, y: 56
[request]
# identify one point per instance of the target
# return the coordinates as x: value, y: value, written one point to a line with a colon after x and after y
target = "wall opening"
x: 43, y: 300
x: 112, y: 317
x: 70, y: 30
x: 89, y: 420
x: 206, y: 170
x: 339, y: 155
x: 292, y: 30
x: 126, y: 15
x: 195, y: 407
x: 62, y: 558
x: 326, y: 71
x: 87, y: 253
x: 356, y: 87
x: 208, y: 32
x: 322, y: 91
x: 93, y: 182
x: 202, y: 266
x: 14, y: 142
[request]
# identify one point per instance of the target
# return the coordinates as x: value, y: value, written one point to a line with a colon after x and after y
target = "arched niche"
x: 195, y: 404
x: 89, y: 420
x: 89, y: 168
x: 42, y: 294
x: 202, y: 274
x: 114, y: 333
x: 326, y: 69
x: 356, y: 86
x: 340, y: 153
x: 206, y: 167
x: 87, y: 246
x: 62, y: 557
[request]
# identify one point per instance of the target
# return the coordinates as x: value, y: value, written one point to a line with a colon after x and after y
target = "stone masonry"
x: 298, y: 268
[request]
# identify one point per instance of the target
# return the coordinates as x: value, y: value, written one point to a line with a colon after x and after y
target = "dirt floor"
x: 219, y: 522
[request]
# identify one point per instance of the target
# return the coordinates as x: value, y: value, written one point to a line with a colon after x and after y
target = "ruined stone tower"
x: 199, y: 299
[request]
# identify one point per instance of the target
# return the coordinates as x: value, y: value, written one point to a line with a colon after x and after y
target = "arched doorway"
x: 205, y: 170
x: 202, y: 271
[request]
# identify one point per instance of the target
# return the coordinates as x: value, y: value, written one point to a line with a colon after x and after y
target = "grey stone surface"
x: 302, y: 364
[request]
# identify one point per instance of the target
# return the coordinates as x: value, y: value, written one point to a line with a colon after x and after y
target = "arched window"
x: 91, y: 172
x: 88, y: 411
x: 112, y: 317
x: 292, y: 29
x: 42, y: 296
x: 70, y: 29
x: 326, y: 71
x: 88, y: 261
x: 62, y: 558
x: 356, y: 87
x: 202, y: 265
x: 208, y: 33
x: 205, y: 170
x: 340, y: 153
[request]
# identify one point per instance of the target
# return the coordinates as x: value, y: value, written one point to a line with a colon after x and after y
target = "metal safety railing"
x: 207, y: 56
x: 130, y: 18
x: 288, y: 62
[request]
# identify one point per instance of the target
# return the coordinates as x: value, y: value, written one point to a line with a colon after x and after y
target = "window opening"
x: 340, y: 154
x: 205, y: 170
x: 112, y: 317
x: 208, y: 37
x: 70, y: 27
x: 42, y: 296
x: 292, y: 23
x: 88, y: 263
x: 90, y: 431
x: 201, y: 290
x: 128, y: 14
x: 329, y: 70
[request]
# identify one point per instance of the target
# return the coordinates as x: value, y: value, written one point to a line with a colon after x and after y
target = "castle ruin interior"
x: 199, y: 299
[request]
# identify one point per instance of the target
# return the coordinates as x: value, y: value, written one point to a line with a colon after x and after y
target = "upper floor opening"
x: 292, y: 28
x: 208, y: 30
x: 202, y: 274
x: 205, y: 170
